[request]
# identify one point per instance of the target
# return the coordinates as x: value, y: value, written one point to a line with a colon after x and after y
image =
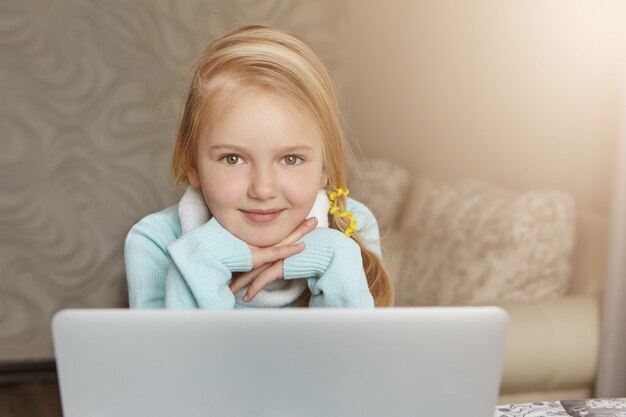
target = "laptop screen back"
x: 396, y: 362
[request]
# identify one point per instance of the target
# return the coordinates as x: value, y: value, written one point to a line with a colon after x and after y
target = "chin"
x: 260, y: 238
x: 262, y: 242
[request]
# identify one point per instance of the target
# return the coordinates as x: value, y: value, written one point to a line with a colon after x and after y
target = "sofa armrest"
x: 551, y: 344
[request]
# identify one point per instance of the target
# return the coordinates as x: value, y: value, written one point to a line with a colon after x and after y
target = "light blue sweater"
x: 166, y: 268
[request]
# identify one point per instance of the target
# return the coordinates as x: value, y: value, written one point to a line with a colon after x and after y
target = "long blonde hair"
x: 259, y: 57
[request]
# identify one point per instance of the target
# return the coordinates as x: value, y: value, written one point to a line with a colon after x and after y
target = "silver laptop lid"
x: 395, y: 362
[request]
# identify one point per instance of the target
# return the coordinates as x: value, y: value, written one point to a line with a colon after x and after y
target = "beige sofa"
x: 552, y: 343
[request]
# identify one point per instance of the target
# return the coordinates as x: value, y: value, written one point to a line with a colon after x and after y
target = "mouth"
x: 262, y: 216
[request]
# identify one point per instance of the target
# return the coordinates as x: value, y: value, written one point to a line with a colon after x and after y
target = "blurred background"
x: 521, y: 95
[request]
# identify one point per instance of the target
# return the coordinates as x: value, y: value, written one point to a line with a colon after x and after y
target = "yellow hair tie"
x: 340, y: 191
x: 334, y: 209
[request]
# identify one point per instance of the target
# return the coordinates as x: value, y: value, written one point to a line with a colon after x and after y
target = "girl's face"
x: 260, y: 168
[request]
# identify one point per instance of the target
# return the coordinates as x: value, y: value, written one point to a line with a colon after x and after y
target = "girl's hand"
x: 267, y: 263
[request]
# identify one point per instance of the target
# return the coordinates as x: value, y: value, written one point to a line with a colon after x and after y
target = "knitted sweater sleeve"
x: 202, y: 264
x: 332, y: 265
x: 164, y: 269
x: 332, y: 262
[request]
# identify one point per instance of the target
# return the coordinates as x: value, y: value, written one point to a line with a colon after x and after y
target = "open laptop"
x: 395, y: 362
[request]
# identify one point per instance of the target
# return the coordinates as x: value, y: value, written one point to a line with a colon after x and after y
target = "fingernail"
x: 300, y: 245
x: 311, y: 221
x: 246, y: 298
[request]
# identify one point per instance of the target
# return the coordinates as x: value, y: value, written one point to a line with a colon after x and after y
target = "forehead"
x: 261, y: 119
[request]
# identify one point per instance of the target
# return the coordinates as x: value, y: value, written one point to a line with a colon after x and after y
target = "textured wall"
x: 91, y: 95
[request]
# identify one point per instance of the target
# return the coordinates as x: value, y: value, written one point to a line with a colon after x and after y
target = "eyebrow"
x: 288, y: 149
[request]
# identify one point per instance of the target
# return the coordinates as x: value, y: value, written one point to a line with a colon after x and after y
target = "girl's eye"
x: 231, y: 159
x: 292, y: 160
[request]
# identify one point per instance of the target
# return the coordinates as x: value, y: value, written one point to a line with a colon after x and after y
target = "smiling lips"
x: 262, y: 216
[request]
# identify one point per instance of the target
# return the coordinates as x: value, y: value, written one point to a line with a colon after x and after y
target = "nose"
x: 262, y: 184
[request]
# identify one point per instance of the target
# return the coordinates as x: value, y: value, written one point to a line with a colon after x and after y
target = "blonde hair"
x: 259, y: 57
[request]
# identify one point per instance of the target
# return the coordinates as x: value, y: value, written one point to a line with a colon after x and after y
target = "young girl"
x: 265, y: 220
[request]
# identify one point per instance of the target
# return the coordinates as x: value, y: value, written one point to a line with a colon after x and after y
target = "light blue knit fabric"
x: 165, y: 268
x: 333, y: 267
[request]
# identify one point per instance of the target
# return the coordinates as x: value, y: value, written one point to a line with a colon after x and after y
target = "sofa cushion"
x: 475, y: 243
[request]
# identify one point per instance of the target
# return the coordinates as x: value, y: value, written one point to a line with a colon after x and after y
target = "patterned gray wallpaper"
x: 91, y: 95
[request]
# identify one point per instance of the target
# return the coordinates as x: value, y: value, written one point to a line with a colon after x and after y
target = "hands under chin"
x: 267, y: 263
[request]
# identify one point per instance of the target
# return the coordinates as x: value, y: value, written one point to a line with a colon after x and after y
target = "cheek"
x: 220, y: 190
x: 302, y: 190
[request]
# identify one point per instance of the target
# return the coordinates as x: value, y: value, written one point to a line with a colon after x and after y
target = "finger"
x: 246, y: 278
x: 270, y: 254
x: 303, y: 228
x: 271, y: 274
